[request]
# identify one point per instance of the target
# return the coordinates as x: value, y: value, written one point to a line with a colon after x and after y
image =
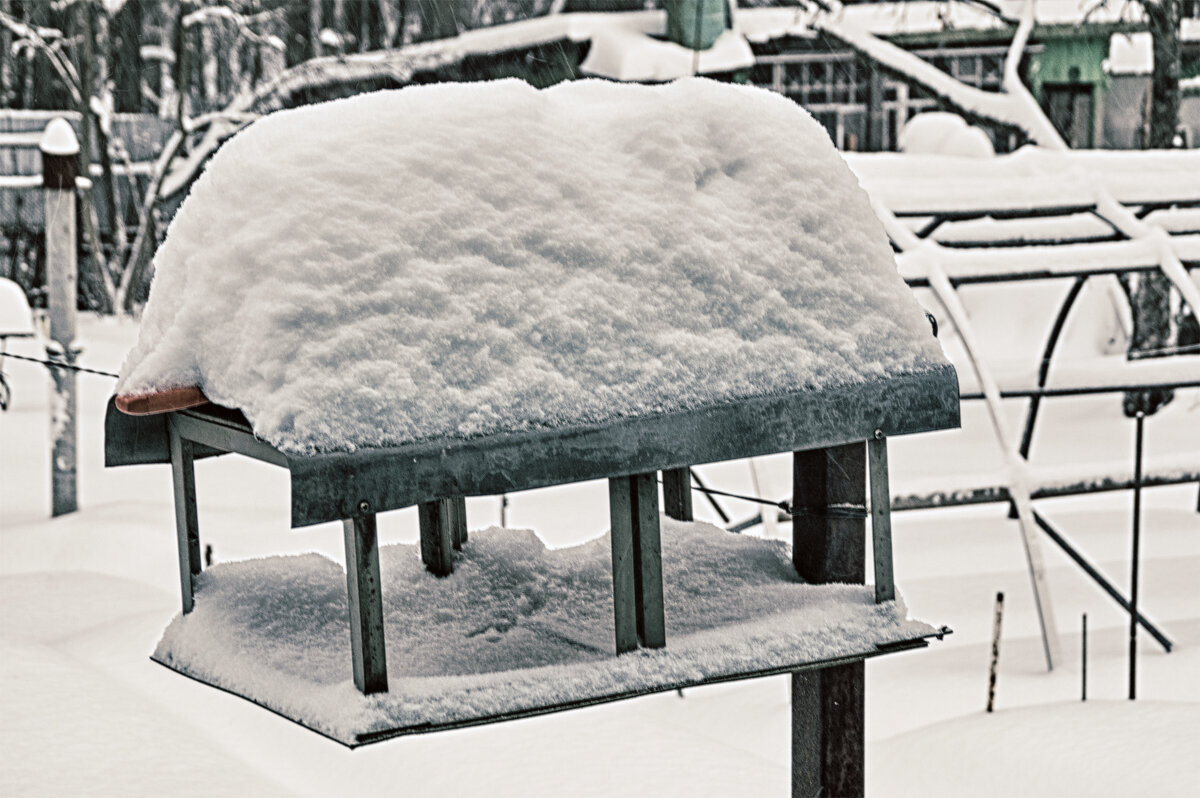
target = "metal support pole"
x: 1100, y: 580
x: 1083, y: 665
x: 187, y: 527
x: 881, y: 519
x: 60, y: 151
x: 1140, y: 423
x: 717, y: 508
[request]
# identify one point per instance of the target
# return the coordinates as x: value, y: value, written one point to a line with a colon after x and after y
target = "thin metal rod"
x: 1027, y: 393
x: 1044, y: 367
x: 1100, y: 580
x: 1045, y: 274
x: 998, y: 493
x: 708, y: 494
x: 1137, y: 534
x: 1083, y: 669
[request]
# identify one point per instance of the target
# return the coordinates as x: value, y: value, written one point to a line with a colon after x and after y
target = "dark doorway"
x: 1069, y: 106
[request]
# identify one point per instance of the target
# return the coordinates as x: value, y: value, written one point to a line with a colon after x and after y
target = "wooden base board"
x: 375, y: 736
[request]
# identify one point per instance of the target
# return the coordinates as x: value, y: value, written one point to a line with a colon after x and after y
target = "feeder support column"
x: 636, y: 562
x: 366, y: 602
x: 829, y: 545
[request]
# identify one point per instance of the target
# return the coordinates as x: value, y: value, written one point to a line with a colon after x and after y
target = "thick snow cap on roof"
x: 466, y: 259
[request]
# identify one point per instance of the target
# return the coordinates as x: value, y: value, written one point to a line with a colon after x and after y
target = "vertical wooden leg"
x: 458, y: 521
x: 806, y: 734
x: 620, y: 509
x: 881, y: 520
x: 366, y: 605
x: 647, y: 553
x: 829, y: 545
x: 187, y: 528
x: 830, y: 509
x: 677, y: 493
x: 637, y: 563
x: 828, y: 731
x: 437, y: 546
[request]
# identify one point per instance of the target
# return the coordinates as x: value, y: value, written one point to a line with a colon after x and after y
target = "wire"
x: 55, y: 364
x: 783, y: 505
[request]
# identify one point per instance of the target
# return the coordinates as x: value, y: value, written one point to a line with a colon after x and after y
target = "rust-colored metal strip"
x: 148, y: 404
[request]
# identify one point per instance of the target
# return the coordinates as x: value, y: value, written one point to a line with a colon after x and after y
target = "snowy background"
x: 85, y: 599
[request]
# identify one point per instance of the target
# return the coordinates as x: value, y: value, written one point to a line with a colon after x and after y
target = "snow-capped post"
x: 996, y: 621
x: 60, y: 152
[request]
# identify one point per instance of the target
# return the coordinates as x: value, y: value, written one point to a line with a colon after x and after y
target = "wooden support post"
x: 60, y: 151
x: 187, y: 527
x: 677, y: 493
x: 881, y: 519
x: 366, y: 604
x: 828, y: 725
x: 829, y: 545
x: 458, y: 521
x: 637, y: 563
x: 437, y: 546
x: 994, y: 662
x: 829, y: 514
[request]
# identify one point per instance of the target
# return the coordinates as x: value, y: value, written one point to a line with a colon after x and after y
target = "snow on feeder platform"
x: 410, y: 297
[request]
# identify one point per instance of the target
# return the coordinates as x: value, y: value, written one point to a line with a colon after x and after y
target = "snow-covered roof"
x: 926, y: 16
x: 628, y: 54
x: 461, y: 260
x: 1130, y: 54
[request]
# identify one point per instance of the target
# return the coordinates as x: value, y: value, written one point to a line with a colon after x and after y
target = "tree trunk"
x: 1151, y: 298
x: 1162, y: 18
x: 393, y: 21
x: 437, y: 19
x: 103, y: 138
x: 6, y: 61
x: 167, y: 98
x: 314, y: 27
x: 96, y: 281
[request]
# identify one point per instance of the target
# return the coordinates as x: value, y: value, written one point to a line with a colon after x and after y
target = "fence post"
x: 60, y: 151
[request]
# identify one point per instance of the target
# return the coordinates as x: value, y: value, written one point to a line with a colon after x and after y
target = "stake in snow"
x: 412, y: 297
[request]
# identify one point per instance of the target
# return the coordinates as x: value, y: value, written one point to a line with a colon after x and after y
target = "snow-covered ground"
x: 85, y: 598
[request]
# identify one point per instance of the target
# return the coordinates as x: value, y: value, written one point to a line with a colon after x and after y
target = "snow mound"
x: 942, y: 133
x: 516, y: 626
x: 469, y: 259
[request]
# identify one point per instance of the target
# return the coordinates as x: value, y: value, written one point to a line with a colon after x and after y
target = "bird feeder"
x: 631, y: 284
